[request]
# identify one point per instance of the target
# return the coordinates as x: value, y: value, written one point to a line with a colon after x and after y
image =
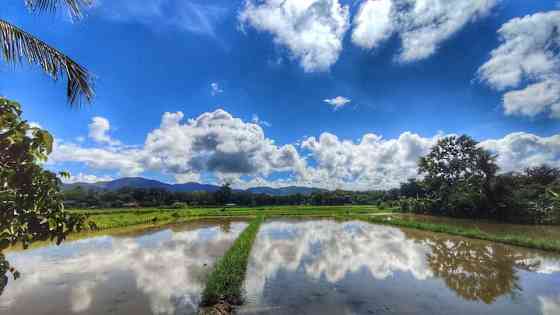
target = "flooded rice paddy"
x: 314, y: 266
x: 161, y: 271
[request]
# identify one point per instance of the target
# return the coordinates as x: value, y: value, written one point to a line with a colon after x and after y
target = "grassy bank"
x: 225, y: 282
x: 113, y: 218
x: 510, y: 239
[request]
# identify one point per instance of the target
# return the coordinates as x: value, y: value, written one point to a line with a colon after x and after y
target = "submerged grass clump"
x: 510, y: 239
x: 224, y: 284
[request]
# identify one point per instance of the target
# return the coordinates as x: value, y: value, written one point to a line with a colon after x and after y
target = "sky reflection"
x: 157, y: 273
x: 361, y: 268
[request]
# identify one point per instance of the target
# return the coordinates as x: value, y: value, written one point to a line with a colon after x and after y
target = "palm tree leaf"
x: 17, y: 45
x: 74, y: 6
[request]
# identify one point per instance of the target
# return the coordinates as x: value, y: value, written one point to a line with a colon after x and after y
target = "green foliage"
x: 458, y: 174
x: 226, y: 280
x: 31, y: 207
x: 224, y: 194
x: 461, y: 180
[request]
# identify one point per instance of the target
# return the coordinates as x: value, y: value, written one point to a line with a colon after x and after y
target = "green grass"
x: 225, y: 282
x: 510, y: 239
x: 113, y: 218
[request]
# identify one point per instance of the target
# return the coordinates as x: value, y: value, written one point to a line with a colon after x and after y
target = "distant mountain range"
x: 139, y: 182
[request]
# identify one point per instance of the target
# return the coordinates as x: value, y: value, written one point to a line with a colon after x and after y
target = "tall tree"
x: 223, y: 195
x: 458, y: 172
x: 18, y: 45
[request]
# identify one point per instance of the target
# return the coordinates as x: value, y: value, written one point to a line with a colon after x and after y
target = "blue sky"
x: 329, y: 93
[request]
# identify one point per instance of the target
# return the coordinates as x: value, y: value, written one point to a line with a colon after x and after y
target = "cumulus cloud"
x: 191, y: 16
x: 371, y: 163
x: 527, y: 61
x: 373, y: 23
x: 126, y: 161
x: 312, y: 30
x: 214, y: 142
x: 220, y: 147
x: 422, y: 25
x: 215, y: 89
x: 99, y: 131
x: 337, y: 102
x: 520, y: 150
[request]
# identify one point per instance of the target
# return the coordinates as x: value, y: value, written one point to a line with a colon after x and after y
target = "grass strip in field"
x: 224, y: 284
x: 510, y: 239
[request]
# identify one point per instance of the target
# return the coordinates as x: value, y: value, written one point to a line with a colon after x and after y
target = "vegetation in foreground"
x: 224, y: 284
x: 510, y: 239
x: 31, y: 207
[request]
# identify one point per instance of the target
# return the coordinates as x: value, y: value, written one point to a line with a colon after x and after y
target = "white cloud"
x: 216, y: 146
x: 312, y: 30
x: 371, y: 163
x: 214, y: 142
x: 527, y: 60
x: 126, y: 161
x: 373, y: 23
x: 520, y: 150
x: 421, y: 24
x: 190, y: 16
x: 98, y: 131
x: 215, y: 89
x: 337, y: 102
x: 87, y: 178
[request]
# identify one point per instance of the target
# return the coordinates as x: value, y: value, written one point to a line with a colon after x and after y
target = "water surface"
x: 328, y: 267
x: 155, y: 271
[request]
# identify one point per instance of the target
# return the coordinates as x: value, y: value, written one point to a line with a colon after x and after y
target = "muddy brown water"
x: 304, y: 266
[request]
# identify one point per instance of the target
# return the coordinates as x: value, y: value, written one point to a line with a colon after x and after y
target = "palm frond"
x: 74, y: 6
x: 18, y: 45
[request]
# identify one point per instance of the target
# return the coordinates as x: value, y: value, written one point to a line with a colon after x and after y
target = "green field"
x: 518, y: 239
x: 112, y: 218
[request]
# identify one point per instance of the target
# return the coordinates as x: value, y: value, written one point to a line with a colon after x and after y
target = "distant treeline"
x: 80, y: 197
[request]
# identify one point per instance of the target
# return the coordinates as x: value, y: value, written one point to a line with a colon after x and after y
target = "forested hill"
x: 139, y: 182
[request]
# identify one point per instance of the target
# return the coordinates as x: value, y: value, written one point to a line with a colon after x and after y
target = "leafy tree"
x: 223, y: 195
x: 458, y: 173
x: 542, y: 175
x: 18, y: 45
x: 412, y: 189
x: 31, y: 205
